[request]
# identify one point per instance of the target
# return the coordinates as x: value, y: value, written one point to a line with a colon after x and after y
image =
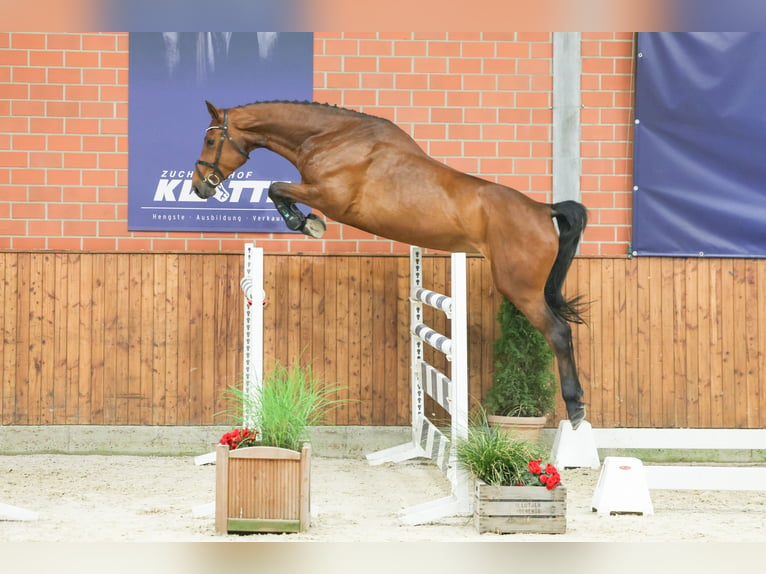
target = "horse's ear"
x: 214, y: 113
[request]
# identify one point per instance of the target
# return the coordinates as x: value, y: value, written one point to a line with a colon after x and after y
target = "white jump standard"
x: 451, y: 393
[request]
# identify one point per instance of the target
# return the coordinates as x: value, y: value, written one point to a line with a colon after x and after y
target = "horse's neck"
x: 281, y: 128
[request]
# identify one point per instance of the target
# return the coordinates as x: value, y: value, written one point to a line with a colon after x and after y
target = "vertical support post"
x: 252, y: 285
x: 459, y: 373
x: 416, y: 344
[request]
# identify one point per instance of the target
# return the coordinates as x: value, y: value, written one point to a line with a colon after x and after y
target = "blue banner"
x: 700, y: 145
x: 171, y: 76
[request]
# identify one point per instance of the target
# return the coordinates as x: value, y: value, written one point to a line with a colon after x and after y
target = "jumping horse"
x: 366, y: 172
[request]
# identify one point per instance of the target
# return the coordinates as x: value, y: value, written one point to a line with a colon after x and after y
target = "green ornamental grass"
x: 495, y: 456
x: 291, y: 400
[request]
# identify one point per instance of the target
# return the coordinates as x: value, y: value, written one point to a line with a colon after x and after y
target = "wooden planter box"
x: 262, y: 489
x: 519, y: 509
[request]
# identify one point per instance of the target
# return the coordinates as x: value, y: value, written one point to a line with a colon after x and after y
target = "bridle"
x: 215, y: 177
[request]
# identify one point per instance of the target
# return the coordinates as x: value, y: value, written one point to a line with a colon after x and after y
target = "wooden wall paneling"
x: 8, y: 294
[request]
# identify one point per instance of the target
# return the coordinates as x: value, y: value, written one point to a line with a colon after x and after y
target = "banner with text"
x: 171, y: 76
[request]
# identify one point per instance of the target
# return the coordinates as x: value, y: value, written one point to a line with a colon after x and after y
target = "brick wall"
x: 480, y: 102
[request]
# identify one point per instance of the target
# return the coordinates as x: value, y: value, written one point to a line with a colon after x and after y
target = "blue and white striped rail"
x: 440, y: 342
x: 434, y: 299
x: 451, y: 393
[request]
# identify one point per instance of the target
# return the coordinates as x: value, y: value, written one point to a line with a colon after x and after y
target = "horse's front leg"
x: 282, y: 194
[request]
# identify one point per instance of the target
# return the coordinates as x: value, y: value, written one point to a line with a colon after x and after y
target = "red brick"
x: 46, y: 92
x: 99, y: 76
x: 78, y: 59
x: 377, y: 81
x: 98, y: 177
x: 46, y: 58
x: 114, y: 126
x: 26, y: 108
x: 45, y: 159
x: 28, y: 176
x: 15, y: 91
x: 98, y: 211
x: 28, y: 243
x: 46, y: 193
x: 413, y: 48
x: 81, y: 126
x: 64, y: 142
x: 23, y: 40
x: 428, y: 98
x: 76, y: 228
x: 113, y: 93
x: 465, y: 66
x: 75, y: 92
x: 442, y: 49
x: 64, y: 177
x: 375, y: 47
x: 44, y: 228
x: 15, y: 159
x: 64, y: 41
x: 64, y: 243
x: 28, y: 210
x: 99, y: 244
x: 63, y: 211
x: 99, y: 42
x: 62, y: 109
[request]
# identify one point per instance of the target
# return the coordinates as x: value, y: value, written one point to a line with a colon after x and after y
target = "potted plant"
x: 515, y: 491
x: 523, y: 390
x: 263, y: 474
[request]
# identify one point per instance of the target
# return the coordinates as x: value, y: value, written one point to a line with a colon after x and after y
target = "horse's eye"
x: 210, y: 142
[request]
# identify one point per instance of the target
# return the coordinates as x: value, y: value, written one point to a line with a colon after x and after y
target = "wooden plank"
x: 157, y: 403
x: 329, y: 310
x: 403, y: 407
x: 48, y: 338
x: 656, y: 374
x: 203, y: 406
x: 185, y: 352
x: 366, y: 345
x: 760, y: 420
x: 112, y: 341
x: 72, y: 415
x: 171, y: 350
x: 378, y: 366
x: 740, y: 340
x: 340, y: 284
x: 643, y: 342
x: 84, y: 353
x: 97, y: 327
x: 606, y: 357
x: 708, y: 342
x: 35, y: 356
x: 21, y: 401
x: 7, y: 376
x: 682, y: 408
x: 752, y: 347
x: 668, y: 404
x: 60, y: 343
x: 619, y: 341
x: 723, y: 412
x: 632, y: 356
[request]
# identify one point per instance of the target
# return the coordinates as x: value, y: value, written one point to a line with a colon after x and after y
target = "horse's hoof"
x: 314, y: 227
x: 577, y: 417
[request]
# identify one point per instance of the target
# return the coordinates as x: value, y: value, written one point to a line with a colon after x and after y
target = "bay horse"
x: 366, y: 172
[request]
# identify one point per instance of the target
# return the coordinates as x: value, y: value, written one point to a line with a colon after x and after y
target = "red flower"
x: 534, y: 466
x: 239, y: 438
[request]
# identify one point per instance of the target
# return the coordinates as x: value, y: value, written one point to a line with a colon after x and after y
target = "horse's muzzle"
x: 204, y: 190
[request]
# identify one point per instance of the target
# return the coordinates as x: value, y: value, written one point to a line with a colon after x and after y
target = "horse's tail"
x: 571, y: 218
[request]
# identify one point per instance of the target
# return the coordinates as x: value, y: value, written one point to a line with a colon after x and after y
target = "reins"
x: 225, y: 135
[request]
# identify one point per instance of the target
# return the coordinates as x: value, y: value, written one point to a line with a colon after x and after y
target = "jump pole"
x: 449, y: 392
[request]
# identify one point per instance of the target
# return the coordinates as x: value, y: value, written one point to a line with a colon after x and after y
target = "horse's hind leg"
x: 558, y: 333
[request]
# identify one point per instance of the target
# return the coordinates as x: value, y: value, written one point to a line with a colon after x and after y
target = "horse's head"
x: 221, y: 154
